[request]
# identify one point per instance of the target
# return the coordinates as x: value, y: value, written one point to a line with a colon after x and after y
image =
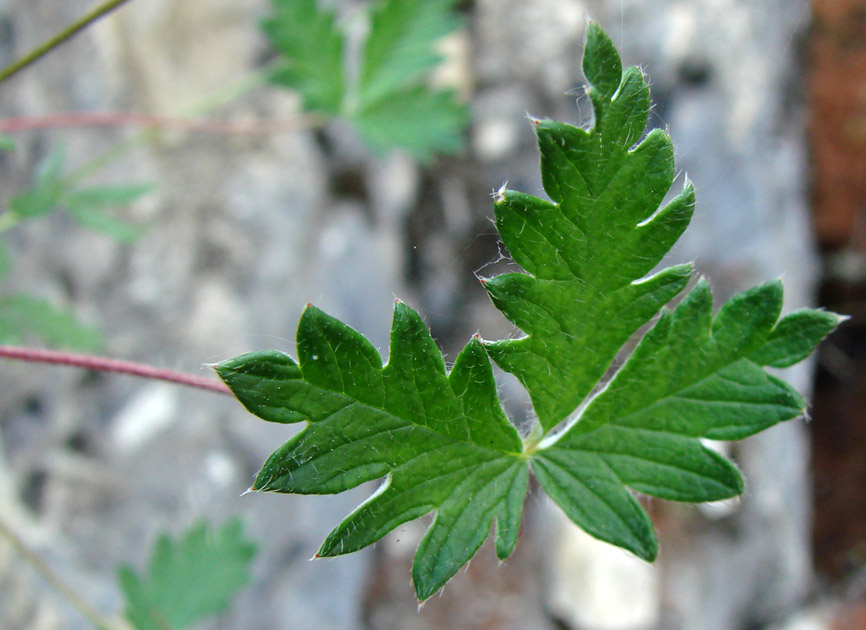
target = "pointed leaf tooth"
x: 338, y: 358
x: 324, y: 460
x: 472, y: 381
x: 625, y: 117
x: 415, y: 382
x: 265, y: 383
x: 745, y: 321
x: 663, y: 465
x: 654, y: 160
x: 382, y: 512
x: 796, y: 336
x: 653, y: 239
x: 601, y: 62
x: 538, y: 237
x: 562, y: 148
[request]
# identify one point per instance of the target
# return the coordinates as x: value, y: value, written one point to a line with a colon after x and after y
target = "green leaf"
x: 23, y: 317
x: 88, y: 207
x: 391, y: 103
x: 687, y: 379
x: 400, y: 49
x: 5, y: 261
x: 441, y: 440
x: 601, y: 66
x: 47, y: 189
x: 585, y: 251
x: 6, y: 143
x: 108, y: 196
x: 36, y: 201
x: 395, y: 105
x: 394, y: 122
x: 97, y: 219
x: 50, y: 169
x: 795, y: 336
x: 313, y: 49
x: 188, y: 580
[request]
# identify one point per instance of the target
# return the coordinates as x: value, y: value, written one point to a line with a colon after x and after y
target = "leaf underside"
x: 441, y: 440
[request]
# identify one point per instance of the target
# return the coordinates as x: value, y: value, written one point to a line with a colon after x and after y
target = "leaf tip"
x: 602, y: 65
x: 703, y: 284
x: 499, y: 194
x: 840, y: 318
x: 652, y: 553
x: 688, y: 185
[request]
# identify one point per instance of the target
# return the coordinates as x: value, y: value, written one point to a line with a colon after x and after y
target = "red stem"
x: 102, y: 364
x: 131, y: 119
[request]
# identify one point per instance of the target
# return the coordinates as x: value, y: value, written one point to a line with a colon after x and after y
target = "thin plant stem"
x: 63, y: 36
x: 198, y: 108
x: 121, y: 119
x: 103, y: 364
x: 49, y: 575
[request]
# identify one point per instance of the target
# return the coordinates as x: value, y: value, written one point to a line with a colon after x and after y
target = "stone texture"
x: 246, y: 230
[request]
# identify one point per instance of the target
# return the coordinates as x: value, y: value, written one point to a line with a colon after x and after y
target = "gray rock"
x: 245, y: 230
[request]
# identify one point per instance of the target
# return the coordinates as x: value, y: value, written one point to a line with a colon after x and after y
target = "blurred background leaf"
x: 88, y: 207
x: 312, y: 50
x: 24, y: 316
x: 190, y: 579
x: 392, y: 103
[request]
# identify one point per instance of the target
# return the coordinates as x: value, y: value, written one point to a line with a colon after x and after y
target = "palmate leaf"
x: 395, y: 106
x: 89, y: 206
x: 391, y: 101
x: 400, y: 49
x: 189, y: 579
x: 441, y: 440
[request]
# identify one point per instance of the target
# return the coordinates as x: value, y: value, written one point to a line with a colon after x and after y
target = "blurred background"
x: 229, y: 229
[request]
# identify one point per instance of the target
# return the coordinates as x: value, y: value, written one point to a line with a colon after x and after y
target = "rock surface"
x: 244, y: 230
